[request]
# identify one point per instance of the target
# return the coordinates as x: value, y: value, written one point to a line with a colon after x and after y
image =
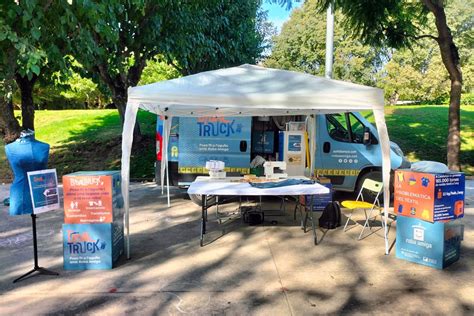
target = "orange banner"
x: 87, y: 199
x: 414, y: 194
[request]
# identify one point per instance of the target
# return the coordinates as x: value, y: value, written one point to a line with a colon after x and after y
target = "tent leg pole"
x: 387, y: 250
x: 168, y: 183
x: 127, y: 224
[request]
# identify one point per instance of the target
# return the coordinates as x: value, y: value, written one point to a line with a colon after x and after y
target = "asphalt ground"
x: 270, y: 269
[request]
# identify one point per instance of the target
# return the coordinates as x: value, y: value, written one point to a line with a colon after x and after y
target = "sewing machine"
x: 272, y: 166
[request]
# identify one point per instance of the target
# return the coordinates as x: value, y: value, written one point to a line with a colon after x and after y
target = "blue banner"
x: 92, y: 246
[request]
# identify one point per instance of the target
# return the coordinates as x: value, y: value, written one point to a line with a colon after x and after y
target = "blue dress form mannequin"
x: 25, y: 154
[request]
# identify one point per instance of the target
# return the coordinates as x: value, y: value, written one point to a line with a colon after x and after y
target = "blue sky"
x: 278, y: 14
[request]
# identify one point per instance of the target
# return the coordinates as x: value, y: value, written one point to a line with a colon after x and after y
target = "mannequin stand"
x: 36, y: 267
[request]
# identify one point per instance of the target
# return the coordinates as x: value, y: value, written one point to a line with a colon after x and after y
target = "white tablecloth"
x: 243, y: 188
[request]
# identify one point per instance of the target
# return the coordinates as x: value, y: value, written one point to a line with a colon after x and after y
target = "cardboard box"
x: 432, y: 244
x: 92, y: 246
x: 429, y: 196
x: 92, y: 197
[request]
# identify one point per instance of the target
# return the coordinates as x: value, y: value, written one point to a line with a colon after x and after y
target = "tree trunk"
x: 450, y: 57
x: 119, y: 97
x: 27, y: 106
x: 10, y: 125
x: 118, y: 85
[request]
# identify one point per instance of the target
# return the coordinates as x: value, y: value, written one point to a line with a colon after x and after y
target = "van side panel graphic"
x: 206, y: 138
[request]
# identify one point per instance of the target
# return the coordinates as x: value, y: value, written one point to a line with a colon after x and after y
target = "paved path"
x: 264, y: 270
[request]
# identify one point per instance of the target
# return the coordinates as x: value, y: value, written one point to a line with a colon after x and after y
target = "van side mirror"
x: 367, y: 137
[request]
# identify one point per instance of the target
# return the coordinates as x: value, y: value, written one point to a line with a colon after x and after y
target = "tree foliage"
x: 413, y: 73
x: 226, y: 33
x: 267, y: 31
x: 157, y: 69
x: 114, y: 39
x: 398, y: 24
x: 301, y: 46
x: 31, y: 42
x: 417, y: 73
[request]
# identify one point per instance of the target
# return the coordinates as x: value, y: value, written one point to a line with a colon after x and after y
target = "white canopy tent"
x: 249, y: 90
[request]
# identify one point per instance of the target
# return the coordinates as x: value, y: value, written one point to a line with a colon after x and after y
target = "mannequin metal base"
x: 39, y: 270
x: 36, y: 267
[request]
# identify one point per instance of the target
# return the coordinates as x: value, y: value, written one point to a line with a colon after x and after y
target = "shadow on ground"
x: 269, y: 269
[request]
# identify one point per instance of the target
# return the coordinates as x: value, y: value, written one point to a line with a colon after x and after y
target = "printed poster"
x: 44, y: 190
x: 88, y: 199
x: 294, y: 143
x: 203, y: 139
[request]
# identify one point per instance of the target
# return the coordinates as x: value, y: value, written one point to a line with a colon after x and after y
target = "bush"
x: 467, y: 99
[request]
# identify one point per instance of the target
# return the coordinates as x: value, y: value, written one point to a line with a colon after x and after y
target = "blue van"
x: 348, y: 151
x: 347, y: 147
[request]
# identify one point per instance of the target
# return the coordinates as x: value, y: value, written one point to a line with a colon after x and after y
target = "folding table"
x: 216, y: 187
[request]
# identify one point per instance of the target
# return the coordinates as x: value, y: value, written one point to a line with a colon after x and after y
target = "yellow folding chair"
x: 375, y: 188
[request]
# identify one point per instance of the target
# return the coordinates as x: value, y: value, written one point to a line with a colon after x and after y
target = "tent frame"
x: 153, y: 98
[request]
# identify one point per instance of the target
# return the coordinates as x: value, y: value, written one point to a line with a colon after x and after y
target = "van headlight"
x: 396, y: 149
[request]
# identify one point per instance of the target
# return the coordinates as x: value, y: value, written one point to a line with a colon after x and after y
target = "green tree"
x: 81, y: 90
x: 228, y: 33
x: 396, y: 24
x: 267, y: 31
x: 418, y: 73
x: 114, y: 39
x: 157, y: 69
x: 9, y: 126
x: 415, y: 74
x: 301, y: 46
x: 31, y: 39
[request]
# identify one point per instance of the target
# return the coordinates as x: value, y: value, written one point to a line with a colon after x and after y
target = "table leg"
x: 313, y: 225
x: 206, y: 200
x: 217, y: 210
x: 304, y: 219
x: 294, y: 212
x: 203, y: 218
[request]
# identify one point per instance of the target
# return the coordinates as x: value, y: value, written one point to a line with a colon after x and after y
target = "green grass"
x: 422, y: 131
x: 91, y: 139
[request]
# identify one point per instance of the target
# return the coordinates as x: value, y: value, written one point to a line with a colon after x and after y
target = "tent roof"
x: 253, y: 90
